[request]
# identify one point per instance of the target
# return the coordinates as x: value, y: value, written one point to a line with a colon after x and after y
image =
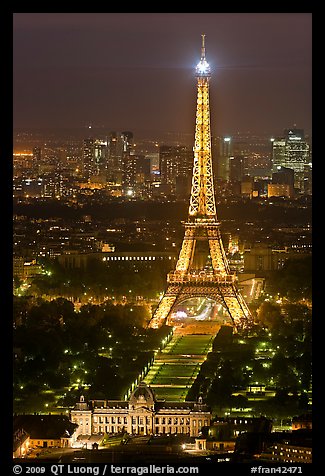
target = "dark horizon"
x: 136, y: 71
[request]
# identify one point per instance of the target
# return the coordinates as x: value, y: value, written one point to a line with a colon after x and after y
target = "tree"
x: 239, y: 402
x: 50, y: 314
x: 17, y: 282
x: 269, y: 315
x: 294, y: 280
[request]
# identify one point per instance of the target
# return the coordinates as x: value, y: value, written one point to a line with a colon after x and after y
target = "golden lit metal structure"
x: 202, y: 269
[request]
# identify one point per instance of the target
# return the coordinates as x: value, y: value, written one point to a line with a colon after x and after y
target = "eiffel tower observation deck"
x: 202, y: 269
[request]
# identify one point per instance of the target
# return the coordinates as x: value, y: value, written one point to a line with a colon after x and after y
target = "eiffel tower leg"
x: 162, y: 311
x: 239, y: 312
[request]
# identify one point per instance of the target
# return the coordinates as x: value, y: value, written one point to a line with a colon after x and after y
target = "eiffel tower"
x: 202, y: 269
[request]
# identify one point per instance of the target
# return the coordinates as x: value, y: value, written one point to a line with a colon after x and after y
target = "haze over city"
x: 134, y: 71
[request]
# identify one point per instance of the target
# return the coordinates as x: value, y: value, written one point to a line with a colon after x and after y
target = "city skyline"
x: 134, y: 71
x: 120, y: 346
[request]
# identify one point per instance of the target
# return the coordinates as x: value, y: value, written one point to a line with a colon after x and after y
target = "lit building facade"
x: 21, y: 442
x: 136, y: 174
x: 222, y: 151
x: 81, y: 260
x: 283, y: 175
x: 279, y: 190
x: 176, y: 164
x: 263, y: 258
x: 41, y: 431
x: 283, y: 452
x: 278, y: 152
x: 292, y: 151
x: 142, y: 414
x: 129, y: 173
x: 94, y: 159
x: 24, y: 268
x: 110, y: 161
x: 236, y: 168
x: 120, y: 149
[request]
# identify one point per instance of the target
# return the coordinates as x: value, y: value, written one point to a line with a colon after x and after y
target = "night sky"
x: 135, y: 71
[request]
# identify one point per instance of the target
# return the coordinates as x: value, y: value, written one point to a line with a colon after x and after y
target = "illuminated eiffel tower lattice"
x: 202, y: 269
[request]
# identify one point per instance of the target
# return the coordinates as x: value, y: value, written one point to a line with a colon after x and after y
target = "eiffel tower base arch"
x: 226, y: 294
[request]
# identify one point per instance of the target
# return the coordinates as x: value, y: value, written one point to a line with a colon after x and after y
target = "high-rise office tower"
x: 136, y: 173
x: 87, y: 157
x: 236, y: 168
x: 292, y: 151
x: 129, y: 173
x: 143, y: 168
x: 222, y: 152
x: 176, y: 164
x: 94, y: 159
x: 308, y: 178
x: 154, y: 165
x: 36, y: 164
x: 278, y: 152
x: 120, y: 147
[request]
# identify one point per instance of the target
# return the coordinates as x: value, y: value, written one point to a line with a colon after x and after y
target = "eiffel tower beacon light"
x: 202, y: 269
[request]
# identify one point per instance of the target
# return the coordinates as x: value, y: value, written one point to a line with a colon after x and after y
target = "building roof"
x: 301, y: 438
x: 108, y: 404
x: 161, y: 406
x: 19, y: 437
x: 142, y: 394
x: 189, y: 406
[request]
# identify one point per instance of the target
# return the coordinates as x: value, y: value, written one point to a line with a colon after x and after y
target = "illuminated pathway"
x: 176, y: 367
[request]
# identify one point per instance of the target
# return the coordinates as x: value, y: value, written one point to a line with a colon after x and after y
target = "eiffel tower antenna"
x: 202, y: 269
x: 203, y: 48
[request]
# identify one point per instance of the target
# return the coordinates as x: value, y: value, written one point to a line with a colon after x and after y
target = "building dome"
x: 81, y: 405
x: 142, y: 396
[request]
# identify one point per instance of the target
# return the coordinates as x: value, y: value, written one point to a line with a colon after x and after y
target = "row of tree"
x: 100, y: 350
x: 100, y: 279
x: 276, y: 357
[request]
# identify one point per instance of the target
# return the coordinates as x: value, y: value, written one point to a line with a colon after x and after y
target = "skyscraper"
x: 94, y: 159
x: 292, y: 151
x: 176, y: 163
x: 222, y: 151
x: 120, y: 146
x: 87, y: 157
